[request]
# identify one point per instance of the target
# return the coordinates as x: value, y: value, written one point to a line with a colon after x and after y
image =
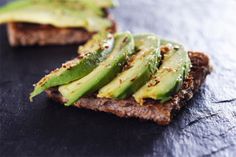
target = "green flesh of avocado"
x: 104, y: 57
x: 99, y: 3
x: 168, y: 79
x: 59, y: 13
x: 91, y: 54
x: 142, y: 66
x: 104, y: 73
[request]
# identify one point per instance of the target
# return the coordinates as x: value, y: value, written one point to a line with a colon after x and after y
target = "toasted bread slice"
x: 24, y: 34
x: 151, y: 110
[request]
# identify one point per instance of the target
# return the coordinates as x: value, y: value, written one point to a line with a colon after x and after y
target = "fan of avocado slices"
x: 88, y: 14
x: 90, y: 55
x: 142, y: 66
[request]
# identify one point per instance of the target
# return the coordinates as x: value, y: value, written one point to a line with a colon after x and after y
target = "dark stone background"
x: 206, y: 127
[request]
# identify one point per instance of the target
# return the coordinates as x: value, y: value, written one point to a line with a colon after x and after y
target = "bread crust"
x: 151, y: 110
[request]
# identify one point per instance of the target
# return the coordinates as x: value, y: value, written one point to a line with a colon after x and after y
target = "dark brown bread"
x: 151, y: 110
x: 23, y: 34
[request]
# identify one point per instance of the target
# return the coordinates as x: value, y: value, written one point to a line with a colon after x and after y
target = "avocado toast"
x: 50, y: 22
x: 142, y: 76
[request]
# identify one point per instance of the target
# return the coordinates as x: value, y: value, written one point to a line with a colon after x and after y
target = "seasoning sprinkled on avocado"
x: 92, y: 53
x: 122, y: 66
x: 104, y: 73
x: 168, y: 79
x: 142, y: 66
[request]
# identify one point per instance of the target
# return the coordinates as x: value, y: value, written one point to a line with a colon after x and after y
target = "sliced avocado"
x: 168, y: 48
x: 168, y: 79
x: 101, y: 3
x: 104, y: 73
x: 93, y: 52
x: 58, y: 13
x: 141, y: 67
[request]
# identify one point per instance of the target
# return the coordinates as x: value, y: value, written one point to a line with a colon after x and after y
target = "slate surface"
x: 207, y: 127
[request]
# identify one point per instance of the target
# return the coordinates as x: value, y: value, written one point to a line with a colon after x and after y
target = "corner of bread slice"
x: 163, y: 113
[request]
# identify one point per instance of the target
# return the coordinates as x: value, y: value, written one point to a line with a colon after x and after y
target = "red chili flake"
x: 80, y: 57
x: 165, y: 49
x: 169, y: 69
x: 133, y: 79
x: 154, y: 82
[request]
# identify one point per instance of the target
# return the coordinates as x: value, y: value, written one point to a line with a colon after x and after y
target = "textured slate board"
x: 206, y: 127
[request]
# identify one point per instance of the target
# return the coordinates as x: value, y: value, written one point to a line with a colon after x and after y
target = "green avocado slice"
x: 142, y: 66
x: 104, y: 73
x: 168, y: 79
x: 91, y: 54
x: 99, y: 3
x: 59, y: 13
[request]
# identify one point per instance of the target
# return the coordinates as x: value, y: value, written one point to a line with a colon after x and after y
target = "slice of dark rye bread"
x: 151, y: 110
x: 24, y: 34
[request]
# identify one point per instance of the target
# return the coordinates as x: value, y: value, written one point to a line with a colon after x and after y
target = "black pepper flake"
x: 176, y: 47
x: 125, y: 39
